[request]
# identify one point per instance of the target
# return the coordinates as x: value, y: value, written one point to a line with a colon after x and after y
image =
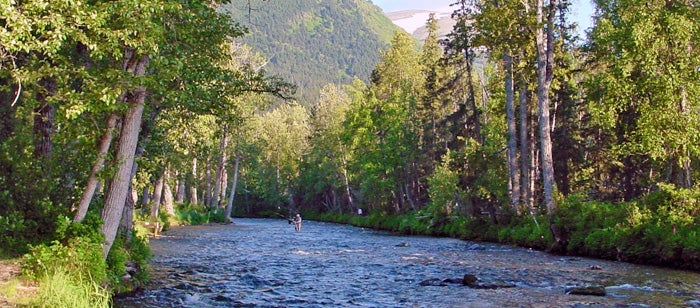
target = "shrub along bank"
x: 70, y: 271
x: 661, y: 229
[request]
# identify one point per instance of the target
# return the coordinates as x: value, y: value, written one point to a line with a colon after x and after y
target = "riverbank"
x: 663, y: 230
x: 14, y: 291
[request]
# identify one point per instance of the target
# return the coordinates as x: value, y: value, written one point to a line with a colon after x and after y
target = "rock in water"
x: 470, y: 280
x: 591, y: 290
x: 475, y: 247
x: 436, y: 282
x: 453, y: 280
x: 474, y: 282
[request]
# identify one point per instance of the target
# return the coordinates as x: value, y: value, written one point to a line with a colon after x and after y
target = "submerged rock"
x: 590, y: 290
x: 476, y: 247
x: 221, y: 298
x: 474, y: 282
x: 453, y: 280
x: 436, y: 282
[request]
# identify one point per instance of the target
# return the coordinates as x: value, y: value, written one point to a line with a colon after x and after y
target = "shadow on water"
x: 265, y: 263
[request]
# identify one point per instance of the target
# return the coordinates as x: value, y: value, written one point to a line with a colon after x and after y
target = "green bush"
x: 139, y: 250
x: 116, y: 263
x: 660, y: 228
x: 602, y: 242
x: 457, y: 226
x: 443, y: 187
x: 13, y: 224
x: 524, y: 231
x: 88, y: 228
x: 81, y: 257
x: 579, y: 217
x: 196, y: 215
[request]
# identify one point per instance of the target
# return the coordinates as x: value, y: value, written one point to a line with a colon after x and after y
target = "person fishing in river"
x: 297, y: 222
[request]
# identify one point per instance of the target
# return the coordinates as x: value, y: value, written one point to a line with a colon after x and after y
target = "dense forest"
x: 115, y: 114
x: 313, y: 43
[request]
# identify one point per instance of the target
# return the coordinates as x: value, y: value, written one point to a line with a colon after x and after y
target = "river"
x: 265, y: 263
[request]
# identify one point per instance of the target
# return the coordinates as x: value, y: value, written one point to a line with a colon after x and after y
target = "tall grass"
x: 60, y: 289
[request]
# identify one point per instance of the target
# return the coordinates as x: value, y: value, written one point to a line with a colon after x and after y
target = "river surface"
x: 265, y: 263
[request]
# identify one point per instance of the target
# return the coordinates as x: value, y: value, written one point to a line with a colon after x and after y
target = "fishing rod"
x: 285, y: 217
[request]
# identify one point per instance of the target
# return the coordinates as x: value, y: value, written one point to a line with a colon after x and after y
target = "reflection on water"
x: 264, y: 263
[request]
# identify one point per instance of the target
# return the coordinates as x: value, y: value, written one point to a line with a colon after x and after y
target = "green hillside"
x: 314, y: 42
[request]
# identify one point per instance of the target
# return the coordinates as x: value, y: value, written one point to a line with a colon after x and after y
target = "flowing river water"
x: 265, y: 263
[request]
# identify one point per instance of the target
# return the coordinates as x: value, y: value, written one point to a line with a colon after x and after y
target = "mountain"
x: 315, y: 42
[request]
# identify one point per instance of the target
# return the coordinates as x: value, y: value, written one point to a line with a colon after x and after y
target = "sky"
x: 581, y: 10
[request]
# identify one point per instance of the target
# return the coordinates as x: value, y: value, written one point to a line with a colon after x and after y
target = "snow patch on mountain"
x: 413, y: 21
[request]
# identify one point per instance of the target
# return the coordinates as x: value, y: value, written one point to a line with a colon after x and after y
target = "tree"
x: 431, y: 107
x: 398, y: 70
x: 645, y: 92
x: 324, y: 177
x: 195, y: 22
x: 384, y: 136
x: 503, y: 29
x: 280, y: 135
x: 545, y: 59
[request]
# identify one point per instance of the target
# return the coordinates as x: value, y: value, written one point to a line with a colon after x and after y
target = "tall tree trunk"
x: 409, y: 197
x: 512, y: 153
x: 43, y: 132
x: 534, y: 161
x: 686, y: 163
x: 145, y: 198
x: 544, y: 73
x: 348, y: 190
x: 180, y: 195
x: 220, y: 166
x: 687, y: 174
x: 126, y: 148
x: 475, y: 117
x: 224, y: 186
x: 92, y: 181
x: 168, y: 199
x: 44, y: 117
x: 134, y: 195
x: 525, y: 154
x: 193, y: 188
x: 128, y: 214
x: 157, y: 196
x: 127, y: 222
x: 207, y: 185
x: 232, y: 194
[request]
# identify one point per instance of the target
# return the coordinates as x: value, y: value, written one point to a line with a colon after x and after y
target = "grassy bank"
x: 71, y: 271
x: 662, y: 229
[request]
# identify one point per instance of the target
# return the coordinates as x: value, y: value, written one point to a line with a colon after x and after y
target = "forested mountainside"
x: 312, y: 43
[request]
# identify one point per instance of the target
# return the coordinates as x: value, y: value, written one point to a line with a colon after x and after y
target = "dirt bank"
x: 13, y: 289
